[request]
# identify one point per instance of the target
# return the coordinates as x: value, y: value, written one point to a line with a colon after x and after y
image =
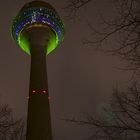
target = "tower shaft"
x: 38, y: 121
x: 38, y: 30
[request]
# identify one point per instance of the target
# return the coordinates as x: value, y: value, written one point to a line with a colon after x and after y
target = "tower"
x: 38, y: 30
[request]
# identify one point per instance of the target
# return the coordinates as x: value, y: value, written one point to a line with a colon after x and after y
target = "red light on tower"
x: 44, y: 91
x: 33, y: 91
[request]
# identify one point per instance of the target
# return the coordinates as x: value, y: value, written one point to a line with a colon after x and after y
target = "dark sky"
x: 80, y: 78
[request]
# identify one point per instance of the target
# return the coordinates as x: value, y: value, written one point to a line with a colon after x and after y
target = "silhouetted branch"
x: 73, y: 6
x: 10, y: 129
x: 120, y: 121
x: 124, y: 28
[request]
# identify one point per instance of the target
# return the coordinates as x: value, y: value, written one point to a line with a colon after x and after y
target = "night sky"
x: 80, y: 79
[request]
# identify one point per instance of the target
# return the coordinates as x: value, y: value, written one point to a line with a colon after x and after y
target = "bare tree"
x: 73, y: 7
x: 9, y: 128
x: 121, y: 121
x: 124, y: 27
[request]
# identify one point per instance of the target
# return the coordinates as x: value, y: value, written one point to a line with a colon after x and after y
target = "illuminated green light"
x: 23, y: 42
x: 51, y: 45
x: 25, y: 45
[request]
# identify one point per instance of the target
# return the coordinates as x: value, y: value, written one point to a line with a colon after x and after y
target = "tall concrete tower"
x: 38, y: 30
